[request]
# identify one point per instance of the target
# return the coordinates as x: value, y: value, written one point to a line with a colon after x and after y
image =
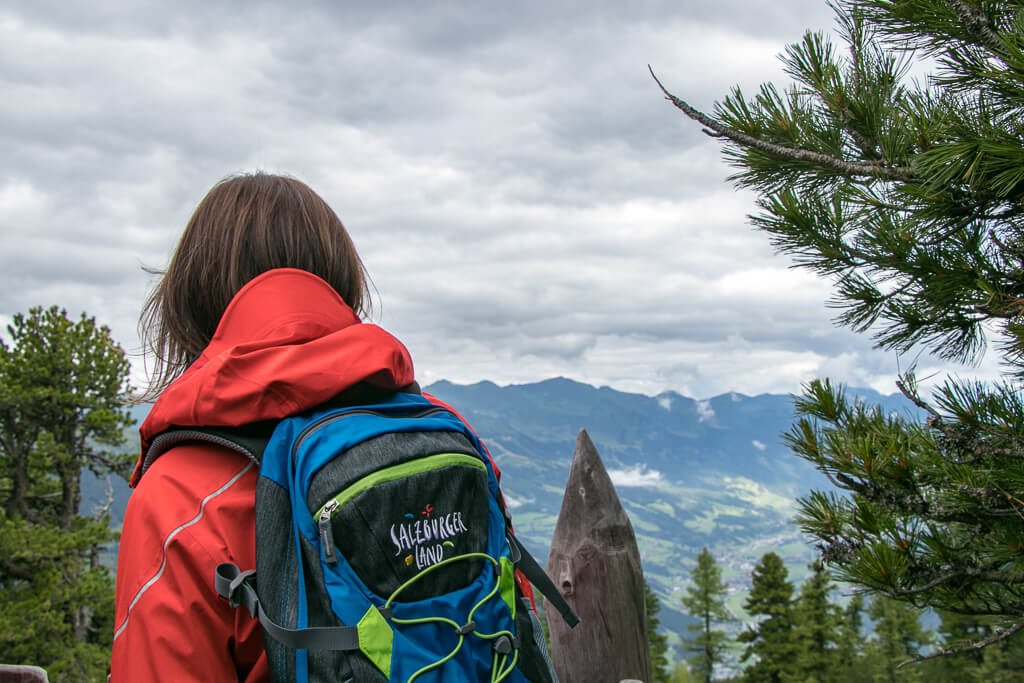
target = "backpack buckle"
x: 514, y: 554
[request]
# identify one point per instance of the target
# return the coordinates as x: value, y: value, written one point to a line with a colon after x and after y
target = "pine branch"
x: 105, y: 508
x: 15, y: 571
x: 846, y: 168
x: 993, y: 576
x: 996, y: 637
x: 1014, y: 250
x: 986, y: 609
x: 867, y: 146
x: 28, y: 514
x: 913, y: 504
x: 121, y: 469
x: 974, y: 20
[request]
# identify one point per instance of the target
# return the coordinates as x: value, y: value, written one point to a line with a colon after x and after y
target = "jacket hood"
x: 286, y: 343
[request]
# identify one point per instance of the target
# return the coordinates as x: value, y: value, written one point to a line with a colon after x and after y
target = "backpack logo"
x: 425, y: 539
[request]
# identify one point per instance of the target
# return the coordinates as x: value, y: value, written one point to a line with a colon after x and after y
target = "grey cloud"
x: 527, y: 203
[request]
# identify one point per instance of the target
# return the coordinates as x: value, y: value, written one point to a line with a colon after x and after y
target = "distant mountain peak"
x: 561, y: 381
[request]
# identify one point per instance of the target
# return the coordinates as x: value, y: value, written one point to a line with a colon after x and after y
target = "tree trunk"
x: 17, y: 454
x: 81, y: 620
x: 707, y: 646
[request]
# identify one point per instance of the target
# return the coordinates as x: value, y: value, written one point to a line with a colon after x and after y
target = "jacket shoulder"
x: 192, y: 510
x: 200, y: 488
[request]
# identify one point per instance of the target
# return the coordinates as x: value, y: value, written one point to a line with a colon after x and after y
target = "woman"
x: 256, y: 318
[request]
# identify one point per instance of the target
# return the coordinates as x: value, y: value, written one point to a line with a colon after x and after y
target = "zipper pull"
x: 327, y: 533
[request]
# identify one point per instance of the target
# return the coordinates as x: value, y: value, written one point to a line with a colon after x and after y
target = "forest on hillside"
x: 818, y: 632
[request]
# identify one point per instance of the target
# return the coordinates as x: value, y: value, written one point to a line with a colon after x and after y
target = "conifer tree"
x: 908, y: 195
x: 967, y: 666
x: 898, y: 637
x: 771, y: 639
x: 62, y: 386
x: 705, y: 600
x: 658, y: 641
x: 816, y: 629
x: 681, y: 674
x: 1003, y: 661
x: 850, y: 644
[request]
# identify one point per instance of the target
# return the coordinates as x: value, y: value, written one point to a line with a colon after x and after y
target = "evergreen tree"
x: 771, y: 640
x: 898, y: 638
x: 908, y: 194
x: 1003, y: 661
x: 850, y: 643
x: 966, y: 667
x: 680, y: 674
x: 62, y: 384
x: 705, y: 601
x: 816, y: 629
x: 658, y: 641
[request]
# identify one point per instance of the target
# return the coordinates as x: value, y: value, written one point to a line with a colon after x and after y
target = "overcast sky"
x: 527, y: 203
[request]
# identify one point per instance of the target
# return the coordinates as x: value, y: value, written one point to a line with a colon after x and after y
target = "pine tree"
x: 658, y: 641
x: 771, y: 640
x: 850, y: 644
x: 62, y: 385
x: 954, y: 628
x: 680, y: 674
x: 908, y: 195
x: 1003, y: 661
x: 898, y: 638
x: 705, y: 600
x: 816, y: 629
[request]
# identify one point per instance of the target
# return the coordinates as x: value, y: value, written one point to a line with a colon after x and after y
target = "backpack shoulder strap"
x: 526, y: 563
x: 251, y: 439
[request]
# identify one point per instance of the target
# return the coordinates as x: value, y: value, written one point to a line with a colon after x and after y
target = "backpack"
x: 384, y: 551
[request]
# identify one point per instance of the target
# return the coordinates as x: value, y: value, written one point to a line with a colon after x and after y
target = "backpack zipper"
x: 424, y: 464
x: 326, y: 533
x: 324, y: 518
x: 426, y: 412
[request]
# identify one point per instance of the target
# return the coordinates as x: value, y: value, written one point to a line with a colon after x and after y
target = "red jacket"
x: 286, y: 343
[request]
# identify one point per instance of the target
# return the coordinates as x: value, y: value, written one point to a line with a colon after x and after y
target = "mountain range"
x: 691, y: 473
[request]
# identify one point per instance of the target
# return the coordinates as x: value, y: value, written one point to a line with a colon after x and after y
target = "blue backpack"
x: 383, y: 550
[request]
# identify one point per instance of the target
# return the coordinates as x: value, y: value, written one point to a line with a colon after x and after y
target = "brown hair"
x: 244, y: 226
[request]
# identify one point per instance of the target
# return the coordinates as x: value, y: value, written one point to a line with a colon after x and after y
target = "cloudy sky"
x: 527, y: 203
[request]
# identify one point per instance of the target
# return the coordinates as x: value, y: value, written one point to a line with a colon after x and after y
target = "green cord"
x: 495, y: 667
x: 492, y: 636
x: 511, y: 666
x: 439, y: 662
x: 498, y: 672
x: 427, y: 620
x: 437, y: 566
